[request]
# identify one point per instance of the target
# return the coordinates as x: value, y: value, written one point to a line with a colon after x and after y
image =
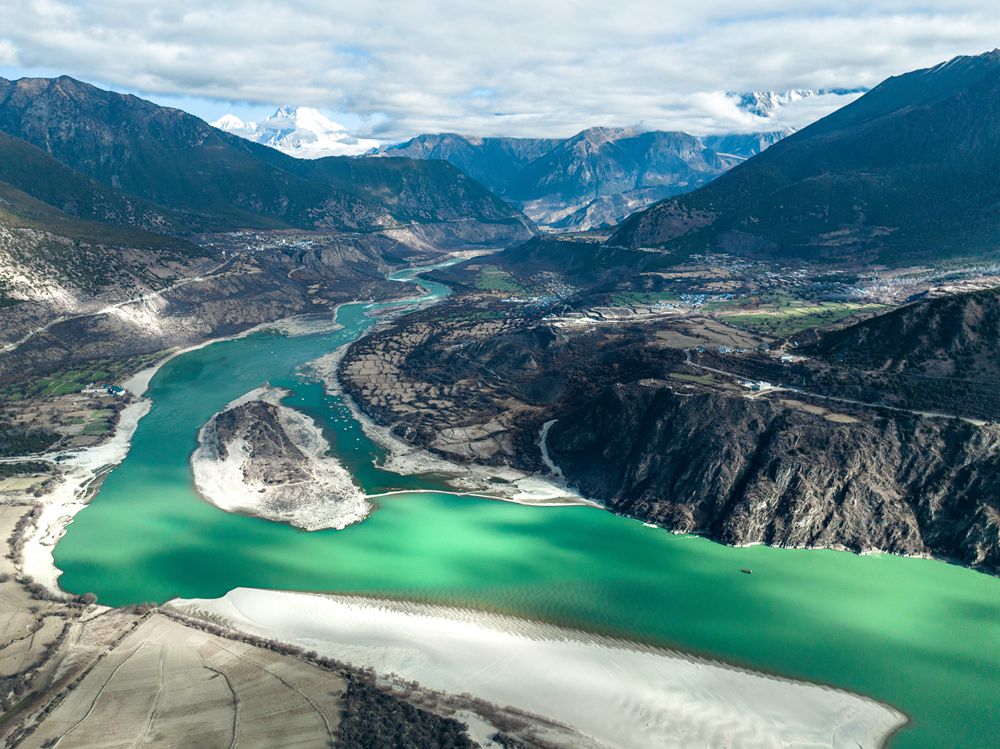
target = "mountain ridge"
x: 208, y: 180
x: 905, y: 173
x: 590, y: 179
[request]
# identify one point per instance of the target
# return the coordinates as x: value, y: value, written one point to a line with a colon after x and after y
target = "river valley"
x: 922, y: 636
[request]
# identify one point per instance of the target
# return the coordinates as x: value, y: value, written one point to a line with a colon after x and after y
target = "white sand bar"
x: 620, y: 695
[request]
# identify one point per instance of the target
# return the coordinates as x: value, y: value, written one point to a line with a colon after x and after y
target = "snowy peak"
x: 769, y: 104
x: 302, y: 132
x: 230, y: 123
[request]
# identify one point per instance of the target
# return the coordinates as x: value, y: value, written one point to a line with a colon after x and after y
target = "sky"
x: 391, y: 70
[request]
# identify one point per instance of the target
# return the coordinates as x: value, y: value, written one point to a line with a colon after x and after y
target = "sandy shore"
x: 618, y: 694
x: 311, y: 490
x: 82, y: 470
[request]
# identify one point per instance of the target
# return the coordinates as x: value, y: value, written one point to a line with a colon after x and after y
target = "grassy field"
x: 492, y: 278
x: 100, y: 422
x: 788, y: 319
x: 67, y: 381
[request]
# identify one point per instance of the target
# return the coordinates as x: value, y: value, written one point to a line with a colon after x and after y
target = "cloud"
x: 8, y: 53
x: 518, y: 67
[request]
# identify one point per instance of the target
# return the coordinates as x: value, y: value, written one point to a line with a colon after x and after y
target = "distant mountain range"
x: 300, y: 132
x: 592, y: 179
x: 906, y: 173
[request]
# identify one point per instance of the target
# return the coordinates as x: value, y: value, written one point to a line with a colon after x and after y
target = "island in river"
x: 260, y: 457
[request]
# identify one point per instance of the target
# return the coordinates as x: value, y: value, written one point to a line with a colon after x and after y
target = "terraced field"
x: 170, y: 685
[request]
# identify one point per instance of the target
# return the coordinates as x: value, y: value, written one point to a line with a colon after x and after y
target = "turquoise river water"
x: 923, y: 636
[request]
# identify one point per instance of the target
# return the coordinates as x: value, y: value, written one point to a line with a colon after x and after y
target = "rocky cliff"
x: 752, y: 471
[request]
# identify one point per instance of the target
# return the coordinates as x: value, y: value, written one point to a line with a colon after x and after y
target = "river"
x: 921, y: 635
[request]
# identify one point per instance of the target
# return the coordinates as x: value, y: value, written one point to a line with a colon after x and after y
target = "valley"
x: 626, y: 439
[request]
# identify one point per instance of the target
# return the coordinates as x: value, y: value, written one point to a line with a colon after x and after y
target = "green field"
x: 99, y: 423
x: 101, y: 372
x: 492, y: 278
x: 783, y: 321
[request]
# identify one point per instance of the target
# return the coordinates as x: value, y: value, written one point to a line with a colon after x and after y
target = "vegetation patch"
x: 24, y: 441
x: 373, y: 719
x: 785, y: 320
x: 492, y: 278
x: 25, y: 468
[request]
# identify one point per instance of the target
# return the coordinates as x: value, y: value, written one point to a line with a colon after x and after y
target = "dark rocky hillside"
x: 907, y: 173
x: 32, y: 171
x: 949, y: 337
x: 749, y: 471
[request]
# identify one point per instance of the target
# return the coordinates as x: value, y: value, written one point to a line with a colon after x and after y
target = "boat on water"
x: 746, y: 571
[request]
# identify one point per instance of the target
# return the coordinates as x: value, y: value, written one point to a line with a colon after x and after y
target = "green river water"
x: 923, y: 636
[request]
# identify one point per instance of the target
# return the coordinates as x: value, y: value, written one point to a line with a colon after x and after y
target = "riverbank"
x: 82, y: 471
x: 610, y: 691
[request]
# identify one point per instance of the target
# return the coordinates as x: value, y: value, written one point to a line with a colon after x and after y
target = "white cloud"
x: 8, y: 53
x: 519, y: 67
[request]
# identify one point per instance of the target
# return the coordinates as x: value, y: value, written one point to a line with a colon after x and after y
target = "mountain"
x: 941, y: 355
x: 300, y: 132
x: 591, y: 179
x: 69, y: 243
x: 906, y: 173
x: 29, y: 170
x: 203, y: 179
x: 496, y: 162
x: 600, y: 175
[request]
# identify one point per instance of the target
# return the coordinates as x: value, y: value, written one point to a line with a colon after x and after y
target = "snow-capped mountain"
x: 299, y: 131
x: 769, y: 104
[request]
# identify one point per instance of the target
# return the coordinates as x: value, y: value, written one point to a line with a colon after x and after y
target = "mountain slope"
x: 33, y: 172
x: 210, y: 180
x: 496, y: 162
x: 905, y: 173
